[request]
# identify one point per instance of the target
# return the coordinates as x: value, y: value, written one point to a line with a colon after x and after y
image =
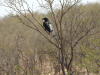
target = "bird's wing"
x: 50, y: 26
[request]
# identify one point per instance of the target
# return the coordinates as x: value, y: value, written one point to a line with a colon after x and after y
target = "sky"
x: 3, y: 10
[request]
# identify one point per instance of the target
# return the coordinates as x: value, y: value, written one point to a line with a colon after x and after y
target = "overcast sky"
x: 3, y: 11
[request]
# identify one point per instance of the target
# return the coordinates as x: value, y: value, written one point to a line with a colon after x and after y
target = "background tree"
x: 72, y: 23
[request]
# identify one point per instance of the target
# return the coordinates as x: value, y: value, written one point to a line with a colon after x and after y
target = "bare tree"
x: 70, y: 31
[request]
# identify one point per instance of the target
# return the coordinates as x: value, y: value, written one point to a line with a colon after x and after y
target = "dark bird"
x: 48, y: 27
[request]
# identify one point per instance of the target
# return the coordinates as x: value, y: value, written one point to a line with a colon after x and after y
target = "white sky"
x: 3, y: 11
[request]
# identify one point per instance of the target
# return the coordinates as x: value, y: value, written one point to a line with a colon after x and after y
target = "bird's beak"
x: 43, y: 19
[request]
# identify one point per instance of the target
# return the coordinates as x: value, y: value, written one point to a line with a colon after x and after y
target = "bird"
x: 48, y: 27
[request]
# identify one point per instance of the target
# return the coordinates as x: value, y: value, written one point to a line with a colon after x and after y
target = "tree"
x: 91, y: 57
x: 72, y: 24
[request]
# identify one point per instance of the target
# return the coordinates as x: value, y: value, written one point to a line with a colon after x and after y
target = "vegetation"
x: 25, y: 48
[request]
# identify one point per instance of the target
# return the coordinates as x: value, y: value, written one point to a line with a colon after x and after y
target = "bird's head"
x: 46, y: 19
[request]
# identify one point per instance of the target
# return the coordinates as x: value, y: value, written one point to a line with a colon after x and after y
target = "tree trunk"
x: 62, y: 63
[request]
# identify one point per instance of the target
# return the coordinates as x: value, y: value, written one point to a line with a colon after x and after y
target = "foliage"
x: 92, y: 56
x: 25, y: 51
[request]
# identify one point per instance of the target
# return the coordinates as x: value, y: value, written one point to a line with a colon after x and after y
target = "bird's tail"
x: 53, y: 34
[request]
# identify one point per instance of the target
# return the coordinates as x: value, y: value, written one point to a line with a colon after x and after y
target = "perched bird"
x: 48, y: 27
